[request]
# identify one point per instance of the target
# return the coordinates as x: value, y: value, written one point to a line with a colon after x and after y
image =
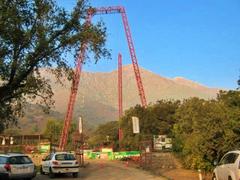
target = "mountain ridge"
x: 97, y: 98
x: 102, y: 87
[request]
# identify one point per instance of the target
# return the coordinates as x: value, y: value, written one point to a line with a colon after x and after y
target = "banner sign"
x: 135, y: 122
x: 113, y: 155
x: 80, y: 125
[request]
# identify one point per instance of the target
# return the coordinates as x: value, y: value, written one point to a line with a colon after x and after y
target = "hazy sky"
x: 195, y: 39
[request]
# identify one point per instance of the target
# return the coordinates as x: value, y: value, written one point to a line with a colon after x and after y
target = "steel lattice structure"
x: 120, y: 105
x: 80, y: 59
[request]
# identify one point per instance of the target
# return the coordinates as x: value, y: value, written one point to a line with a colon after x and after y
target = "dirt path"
x: 107, y: 170
x: 181, y: 174
x: 167, y: 165
x: 111, y: 170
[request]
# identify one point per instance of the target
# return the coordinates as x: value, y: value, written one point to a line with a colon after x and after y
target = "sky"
x: 197, y: 40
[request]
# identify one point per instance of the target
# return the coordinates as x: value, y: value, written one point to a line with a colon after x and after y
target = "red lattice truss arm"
x: 80, y: 59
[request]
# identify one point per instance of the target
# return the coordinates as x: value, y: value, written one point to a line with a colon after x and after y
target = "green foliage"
x: 164, y: 116
x: 205, y: 130
x: 154, y: 120
x: 202, y: 130
x: 230, y: 98
x: 105, y: 134
x: 131, y: 141
x: 36, y: 34
x: 53, y: 131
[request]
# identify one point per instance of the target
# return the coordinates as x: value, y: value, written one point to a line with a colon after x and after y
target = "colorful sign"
x: 113, y: 155
x: 105, y: 150
x: 44, y: 148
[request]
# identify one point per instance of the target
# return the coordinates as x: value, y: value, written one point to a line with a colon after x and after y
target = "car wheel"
x: 75, y: 175
x: 51, y: 174
x: 214, y: 177
x: 229, y: 178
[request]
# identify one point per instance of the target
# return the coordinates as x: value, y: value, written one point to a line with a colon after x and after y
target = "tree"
x: 53, y: 131
x: 164, y: 116
x: 230, y: 98
x: 196, y: 118
x: 205, y: 130
x: 156, y: 119
x: 130, y: 140
x: 105, y: 134
x: 36, y: 34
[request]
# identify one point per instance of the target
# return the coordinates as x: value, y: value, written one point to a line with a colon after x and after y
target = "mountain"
x: 97, y: 99
x: 102, y: 88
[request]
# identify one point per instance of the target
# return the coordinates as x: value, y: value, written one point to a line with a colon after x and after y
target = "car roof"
x: 12, y: 154
x: 62, y: 153
x: 235, y: 151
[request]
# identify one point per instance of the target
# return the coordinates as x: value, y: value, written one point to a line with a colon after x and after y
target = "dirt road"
x: 107, y: 170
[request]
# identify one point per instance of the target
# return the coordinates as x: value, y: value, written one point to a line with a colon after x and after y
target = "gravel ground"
x: 106, y: 170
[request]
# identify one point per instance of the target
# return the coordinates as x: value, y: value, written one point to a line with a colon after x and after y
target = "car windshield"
x: 20, y: 160
x: 65, y: 157
x: 3, y: 160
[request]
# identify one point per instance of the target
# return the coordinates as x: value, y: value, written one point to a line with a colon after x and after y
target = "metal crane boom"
x: 74, y: 89
x: 134, y: 58
x: 76, y: 79
x: 72, y: 99
x: 121, y: 9
x: 120, y: 105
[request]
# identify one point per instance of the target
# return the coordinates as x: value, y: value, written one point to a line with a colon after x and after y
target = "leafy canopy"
x: 53, y: 132
x: 36, y: 34
x: 205, y: 130
x: 156, y: 119
x: 105, y: 134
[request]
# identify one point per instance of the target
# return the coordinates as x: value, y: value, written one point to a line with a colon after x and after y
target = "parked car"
x: 228, y: 168
x: 60, y: 163
x: 17, y: 166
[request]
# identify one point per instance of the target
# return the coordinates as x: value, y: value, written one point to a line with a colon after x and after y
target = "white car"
x: 228, y: 167
x: 60, y: 163
x: 16, y: 166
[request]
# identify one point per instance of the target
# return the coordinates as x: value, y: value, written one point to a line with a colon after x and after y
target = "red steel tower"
x: 120, y: 105
x: 80, y: 59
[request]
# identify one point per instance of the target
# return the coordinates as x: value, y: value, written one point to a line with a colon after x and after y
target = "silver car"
x: 14, y: 166
x: 229, y: 167
x: 60, y: 163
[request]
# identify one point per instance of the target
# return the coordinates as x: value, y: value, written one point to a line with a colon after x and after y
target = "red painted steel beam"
x: 120, y: 105
x: 80, y: 59
x: 73, y: 94
x: 120, y: 9
x: 120, y: 100
x: 72, y: 99
x: 134, y: 58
